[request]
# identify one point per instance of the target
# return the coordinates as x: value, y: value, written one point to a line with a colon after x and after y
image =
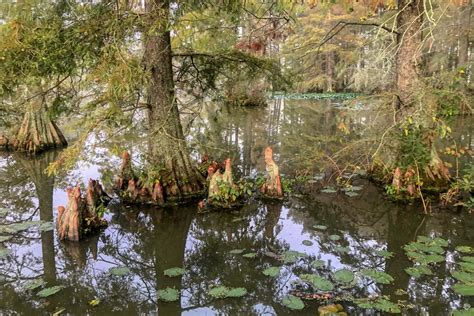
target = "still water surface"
x: 149, y: 240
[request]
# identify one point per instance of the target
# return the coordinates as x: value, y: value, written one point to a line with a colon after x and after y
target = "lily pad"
x: 464, y: 289
x: 168, y: 295
x: 46, y: 226
x: 463, y: 276
x: 119, y: 271
x: 467, y: 259
x: 379, y: 303
x: 34, y: 284
x: 224, y: 291
x: 291, y: 256
x: 4, y: 252
x: 317, y: 282
x: 236, y: 251
x: 344, y: 276
x: 271, y: 254
x: 419, y: 271
x: 377, y: 276
x: 464, y: 312
x: 385, y: 254
x: 272, y: 271
x: 318, y: 264
x: 3, y: 212
x: 50, y: 291
x: 341, y: 249
x: 320, y: 227
x: 174, y: 272
x: 307, y: 242
x: 467, y: 266
x: 293, y: 302
x: 334, y: 237
x: 5, y: 238
x: 424, y: 259
x: 250, y: 255
x: 465, y: 249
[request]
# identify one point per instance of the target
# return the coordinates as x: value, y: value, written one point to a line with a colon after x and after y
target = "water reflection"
x: 149, y: 241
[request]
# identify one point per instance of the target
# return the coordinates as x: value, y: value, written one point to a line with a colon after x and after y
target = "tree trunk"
x: 465, y: 27
x: 168, y: 150
x: 409, y: 39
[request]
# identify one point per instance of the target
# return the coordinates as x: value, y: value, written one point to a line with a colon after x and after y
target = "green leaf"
x: 4, y: 252
x: 385, y: 253
x: 467, y: 266
x: 317, y: 282
x: 237, y: 292
x: 291, y: 256
x: 272, y: 271
x: 3, y: 212
x: 119, y: 271
x: 307, y: 242
x: 34, y: 284
x: 378, y: 303
x: 341, y: 249
x: 293, y: 302
x: 5, y: 238
x: 271, y: 254
x: 418, y: 271
x: 250, y: 255
x: 174, y: 272
x: 463, y: 276
x: 344, y: 276
x: 465, y: 249
x: 377, y: 276
x: 320, y: 227
x: 465, y: 312
x: 94, y: 302
x: 317, y: 264
x: 335, y: 237
x: 464, y: 289
x: 50, y: 291
x: 467, y: 259
x: 168, y: 295
x: 46, y: 226
x: 236, y: 251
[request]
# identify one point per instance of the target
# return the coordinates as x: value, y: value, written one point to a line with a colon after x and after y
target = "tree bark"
x: 409, y: 39
x: 168, y: 149
x: 465, y: 27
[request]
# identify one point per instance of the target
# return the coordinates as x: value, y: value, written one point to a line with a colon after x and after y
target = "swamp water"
x: 304, y: 238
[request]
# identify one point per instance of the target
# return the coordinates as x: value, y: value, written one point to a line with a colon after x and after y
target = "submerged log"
x: 271, y: 188
x: 37, y: 133
x: 82, y: 215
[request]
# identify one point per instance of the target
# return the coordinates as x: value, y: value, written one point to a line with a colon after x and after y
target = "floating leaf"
x: 236, y: 251
x: 290, y: 256
x: 271, y: 254
x: 4, y: 252
x: 317, y: 264
x: 468, y: 259
x: 293, y: 302
x: 94, y: 302
x: 168, y: 295
x: 174, y: 272
x: 3, y: 212
x: 119, y: 271
x: 320, y: 227
x: 272, y: 271
x: 317, y: 282
x: 33, y: 285
x: 46, y: 226
x: 307, y: 242
x: 50, y: 291
x: 465, y: 312
x: 377, y: 276
x: 385, y: 253
x: 467, y: 266
x: 5, y: 238
x: 464, y: 289
x: 335, y: 237
x: 418, y: 271
x: 250, y: 255
x: 328, y: 190
x: 332, y: 309
x: 344, y: 276
x: 341, y: 249
x: 425, y: 259
x: 463, y: 276
x: 464, y: 249
x: 378, y: 303
x: 237, y: 292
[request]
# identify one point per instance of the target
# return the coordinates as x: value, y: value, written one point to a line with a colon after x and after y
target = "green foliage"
x: 344, y: 276
x: 318, y: 264
x: 34, y: 284
x: 377, y: 276
x: 119, y: 271
x: 291, y: 256
x: 174, y: 272
x: 272, y: 271
x: 419, y: 271
x: 168, y: 295
x: 379, y: 304
x: 319, y: 283
x: 293, y: 302
x: 50, y: 291
x: 224, y: 292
